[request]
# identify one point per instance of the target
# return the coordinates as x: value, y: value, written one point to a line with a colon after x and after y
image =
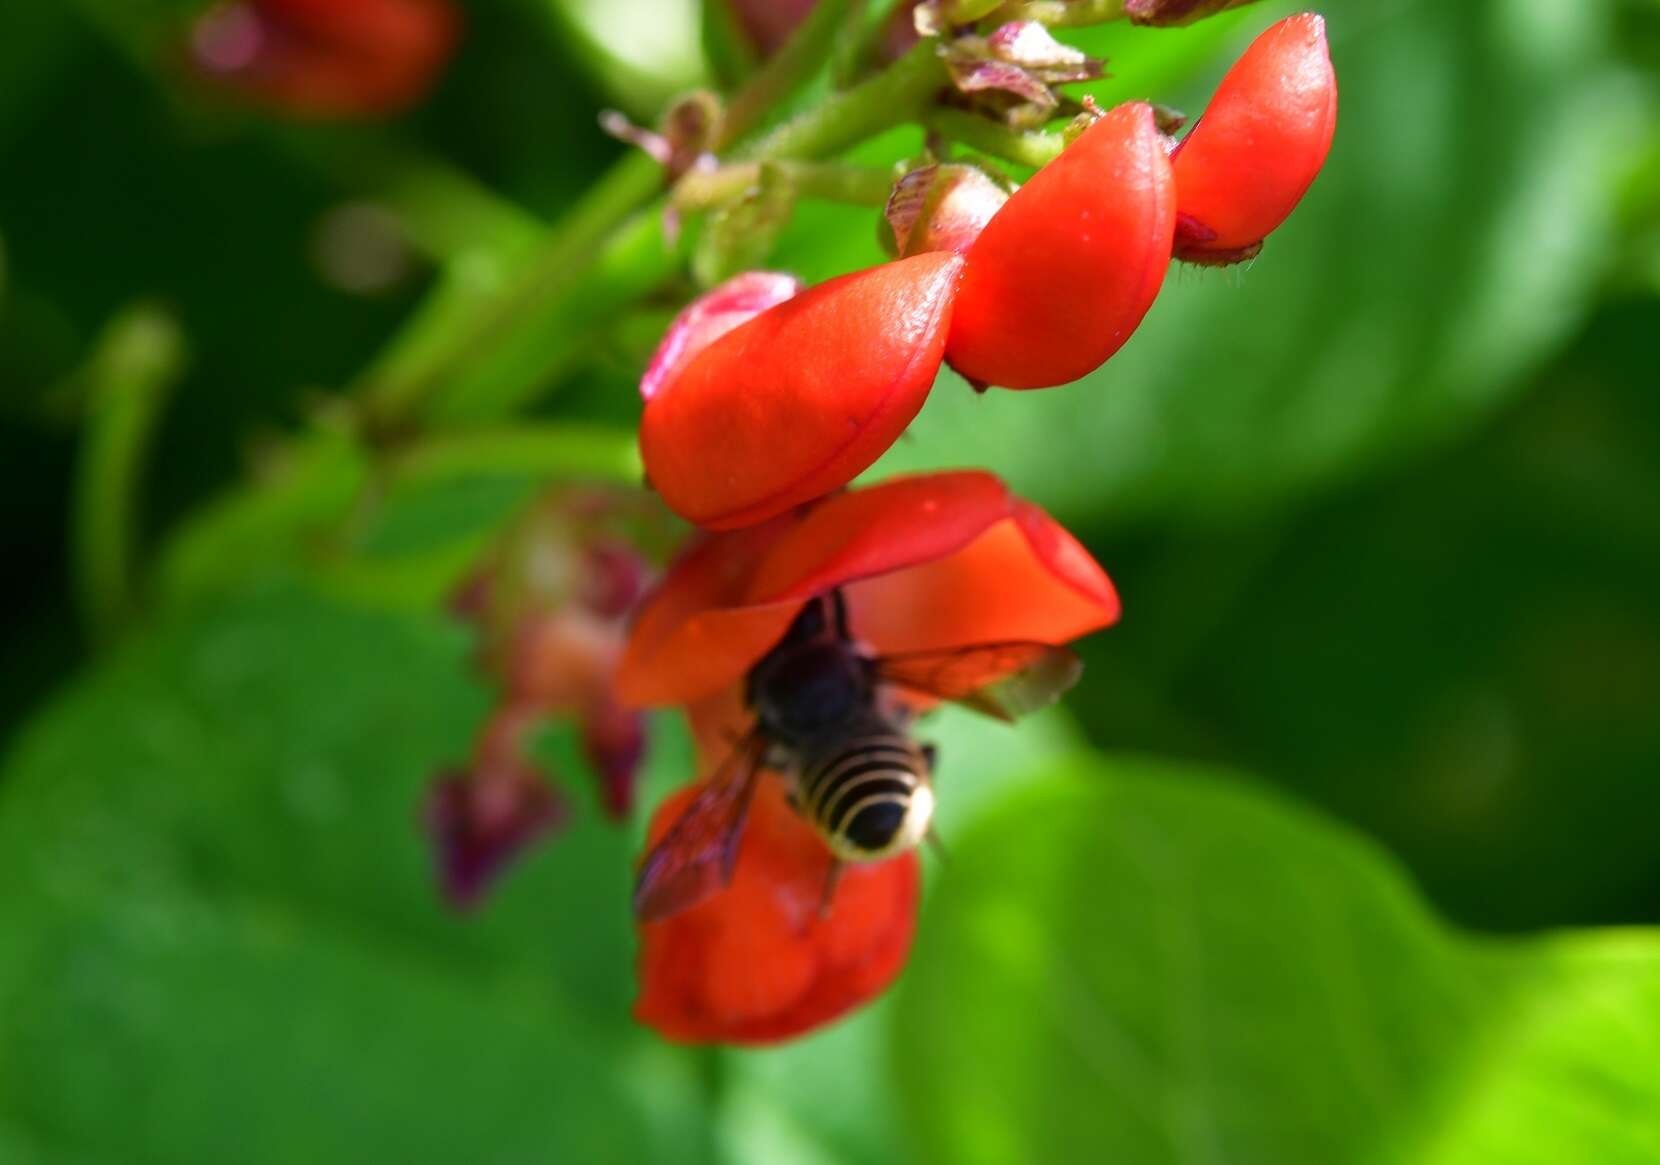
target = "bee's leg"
x: 938, y: 846
x: 833, y: 876
x: 838, y: 609
x: 931, y: 754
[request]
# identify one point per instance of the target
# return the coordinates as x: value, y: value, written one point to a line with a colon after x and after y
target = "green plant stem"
x: 137, y: 358
x: 599, y: 261
x: 567, y: 451
x: 1032, y: 148
x: 1064, y: 13
x: 394, y: 391
x: 859, y: 46
x: 558, y: 328
x: 803, y: 55
x: 830, y: 181
x: 890, y: 98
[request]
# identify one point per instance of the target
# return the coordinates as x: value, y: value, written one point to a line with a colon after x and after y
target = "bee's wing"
x: 1006, y: 680
x: 695, y: 857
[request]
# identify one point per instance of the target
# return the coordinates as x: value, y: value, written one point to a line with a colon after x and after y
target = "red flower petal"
x: 755, y: 963
x: 933, y: 561
x: 1066, y: 270
x: 803, y: 397
x: 1260, y: 143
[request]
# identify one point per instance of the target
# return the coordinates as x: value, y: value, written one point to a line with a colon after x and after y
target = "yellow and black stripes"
x: 865, y: 793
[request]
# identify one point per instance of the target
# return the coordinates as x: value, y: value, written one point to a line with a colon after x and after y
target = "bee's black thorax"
x: 814, y: 683
x: 857, y: 776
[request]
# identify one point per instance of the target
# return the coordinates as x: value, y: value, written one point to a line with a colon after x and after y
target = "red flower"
x: 1066, y: 270
x: 925, y: 562
x: 328, y: 58
x: 928, y: 562
x: 756, y: 963
x: 799, y: 399
x: 1262, y: 140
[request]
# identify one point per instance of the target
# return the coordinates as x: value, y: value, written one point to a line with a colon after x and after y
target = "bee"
x: 832, y: 719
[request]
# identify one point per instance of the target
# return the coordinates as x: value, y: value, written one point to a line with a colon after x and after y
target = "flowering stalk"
x: 1034, y: 148
x: 125, y: 383
x: 832, y: 182
x: 608, y: 251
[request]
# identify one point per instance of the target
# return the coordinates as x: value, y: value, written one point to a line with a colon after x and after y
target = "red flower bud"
x: 942, y: 208
x: 710, y: 316
x: 798, y: 400
x: 328, y: 58
x: 757, y: 963
x: 1064, y: 273
x: 1259, y: 145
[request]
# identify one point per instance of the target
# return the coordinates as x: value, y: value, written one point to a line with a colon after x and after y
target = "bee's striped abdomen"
x: 868, y: 795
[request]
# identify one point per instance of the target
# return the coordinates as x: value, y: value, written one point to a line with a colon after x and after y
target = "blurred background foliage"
x: 1384, y: 507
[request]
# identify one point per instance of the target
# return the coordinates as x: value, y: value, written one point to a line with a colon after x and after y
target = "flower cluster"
x: 766, y: 395
x: 550, y: 610
x: 766, y: 398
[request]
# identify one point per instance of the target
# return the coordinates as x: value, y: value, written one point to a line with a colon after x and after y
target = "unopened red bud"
x: 801, y: 398
x: 1168, y: 13
x: 710, y: 316
x: 942, y: 208
x: 1064, y: 273
x: 1258, y: 146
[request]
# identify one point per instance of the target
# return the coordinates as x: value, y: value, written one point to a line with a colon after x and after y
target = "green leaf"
x: 1463, y: 657
x: 219, y: 937
x: 1130, y: 962
x: 1449, y: 245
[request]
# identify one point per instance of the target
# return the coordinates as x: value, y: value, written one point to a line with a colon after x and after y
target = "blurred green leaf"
x: 1463, y: 658
x: 1133, y: 962
x: 219, y: 937
x: 1448, y: 247
x: 265, y: 526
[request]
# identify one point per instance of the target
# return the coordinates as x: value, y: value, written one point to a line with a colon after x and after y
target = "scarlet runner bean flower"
x: 1262, y: 140
x: 328, y: 58
x: 923, y: 563
x: 1065, y: 271
x: 743, y: 423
